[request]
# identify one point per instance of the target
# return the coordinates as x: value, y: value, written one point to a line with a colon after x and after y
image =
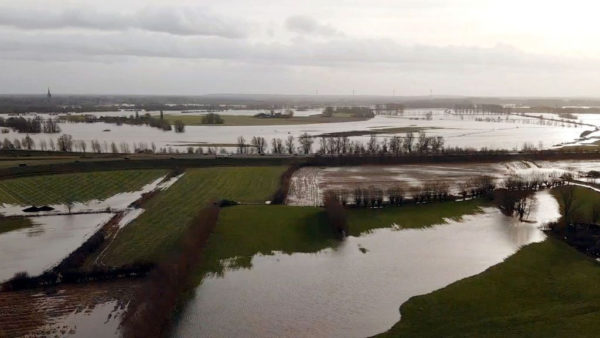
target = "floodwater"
x: 506, y: 133
x: 347, y: 293
x: 40, y: 247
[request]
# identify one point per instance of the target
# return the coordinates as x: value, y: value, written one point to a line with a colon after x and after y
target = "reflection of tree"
x: 515, y: 202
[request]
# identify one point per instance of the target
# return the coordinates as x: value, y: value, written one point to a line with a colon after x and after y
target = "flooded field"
x: 509, y: 132
x: 38, y: 248
x: 309, y: 183
x: 53, y: 237
x: 348, y: 293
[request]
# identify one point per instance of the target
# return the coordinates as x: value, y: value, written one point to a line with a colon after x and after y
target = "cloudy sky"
x: 406, y: 47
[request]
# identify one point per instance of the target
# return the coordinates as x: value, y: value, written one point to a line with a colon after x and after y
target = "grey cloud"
x: 307, y: 25
x: 333, y: 53
x: 173, y: 20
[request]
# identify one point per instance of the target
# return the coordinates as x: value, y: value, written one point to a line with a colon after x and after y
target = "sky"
x: 374, y: 47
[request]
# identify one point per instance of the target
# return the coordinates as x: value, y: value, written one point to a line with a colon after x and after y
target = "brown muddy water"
x: 348, y: 293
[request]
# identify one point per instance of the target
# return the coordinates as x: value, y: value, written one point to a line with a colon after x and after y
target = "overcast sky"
x: 406, y: 47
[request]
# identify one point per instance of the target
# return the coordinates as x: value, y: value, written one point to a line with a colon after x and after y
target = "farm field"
x: 79, y: 187
x: 244, y: 120
x: 546, y: 289
x: 158, y: 229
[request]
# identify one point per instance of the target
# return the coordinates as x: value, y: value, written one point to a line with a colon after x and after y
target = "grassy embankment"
x: 8, y: 224
x: 79, y: 187
x: 546, y: 289
x: 242, y: 120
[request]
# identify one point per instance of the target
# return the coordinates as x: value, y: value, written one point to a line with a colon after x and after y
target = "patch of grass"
x: 79, y: 187
x: 243, y: 120
x: 363, y: 220
x: 158, y: 230
x: 546, y: 289
x: 585, y: 200
x: 8, y: 224
x: 246, y: 230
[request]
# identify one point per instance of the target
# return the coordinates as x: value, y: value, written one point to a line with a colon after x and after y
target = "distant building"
x: 49, y: 95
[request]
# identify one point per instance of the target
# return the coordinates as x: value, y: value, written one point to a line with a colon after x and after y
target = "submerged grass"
x: 158, y: 230
x: 78, y: 187
x: 546, y: 289
x: 8, y: 224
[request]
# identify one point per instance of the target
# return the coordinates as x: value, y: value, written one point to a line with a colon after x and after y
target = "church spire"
x: 49, y: 95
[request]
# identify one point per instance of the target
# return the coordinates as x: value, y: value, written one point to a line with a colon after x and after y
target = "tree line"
x: 34, y: 125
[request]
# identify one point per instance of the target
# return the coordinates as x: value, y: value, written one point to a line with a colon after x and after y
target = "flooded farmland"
x: 470, y: 131
x: 52, y: 238
x: 308, y: 183
x: 348, y: 293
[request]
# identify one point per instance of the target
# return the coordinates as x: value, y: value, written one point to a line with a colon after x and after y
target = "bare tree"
x: 396, y: 145
x: 259, y: 144
x: 289, y: 144
x: 306, y: 143
x: 65, y: 142
x: 372, y: 145
x: 241, y: 143
x: 277, y: 146
x: 409, y: 139
x: 28, y: 143
x: 113, y: 148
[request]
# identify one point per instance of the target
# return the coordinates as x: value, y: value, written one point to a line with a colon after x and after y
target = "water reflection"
x: 346, y: 292
x: 37, y: 249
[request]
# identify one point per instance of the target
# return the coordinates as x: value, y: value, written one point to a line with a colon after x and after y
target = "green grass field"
x: 158, y: 230
x: 79, y: 187
x: 246, y: 230
x: 546, y: 289
x: 8, y: 224
x: 242, y: 120
x: 410, y: 216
